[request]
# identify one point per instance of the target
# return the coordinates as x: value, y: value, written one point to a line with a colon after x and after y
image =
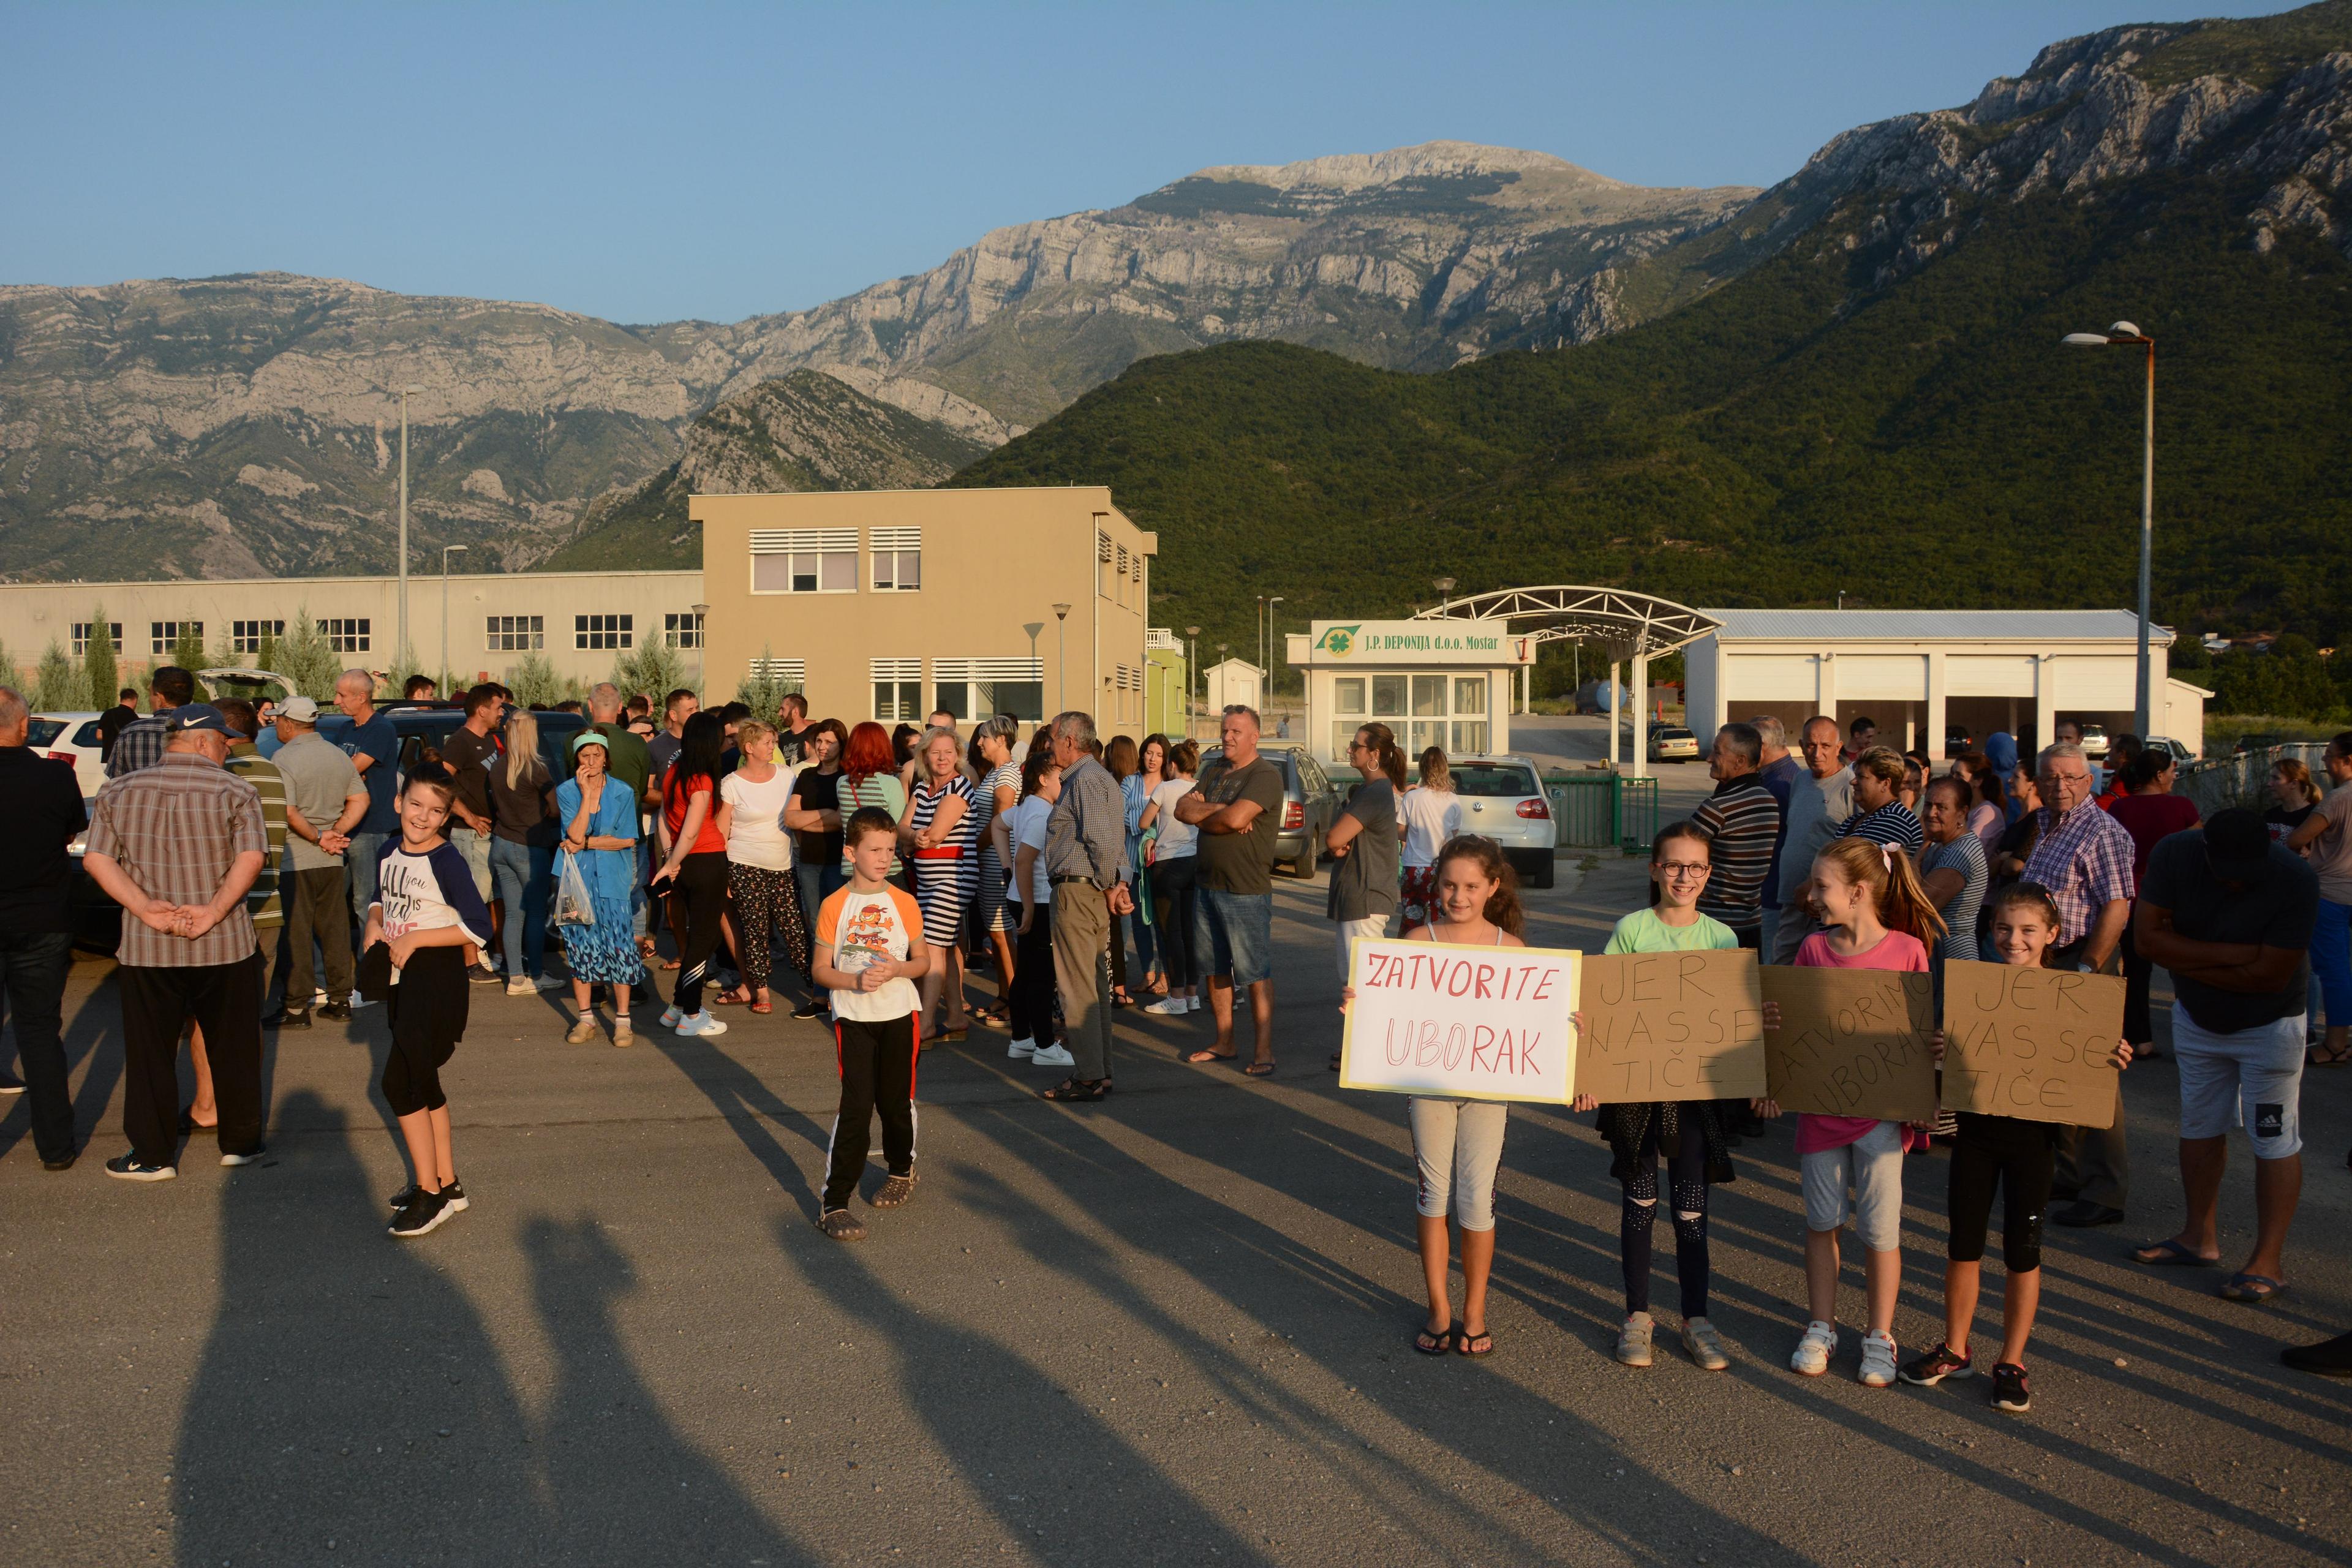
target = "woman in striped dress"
x: 938, y: 828
x: 1000, y: 787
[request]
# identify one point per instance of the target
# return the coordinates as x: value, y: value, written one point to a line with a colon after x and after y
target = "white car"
x: 70, y: 738
x: 1673, y: 743
x: 1502, y: 799
x: 2095, y: 741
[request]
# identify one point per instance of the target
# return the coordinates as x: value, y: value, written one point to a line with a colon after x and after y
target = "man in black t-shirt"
x: 793, y: 730
x: 1237, y: 808
x: 42, y: 806
x: 111, y: 723
x: 813, y: 817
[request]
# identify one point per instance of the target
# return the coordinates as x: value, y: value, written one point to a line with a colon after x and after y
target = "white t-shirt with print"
x: 862, y: 928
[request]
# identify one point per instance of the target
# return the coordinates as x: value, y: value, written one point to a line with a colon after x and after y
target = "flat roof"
x: 1933, y: 625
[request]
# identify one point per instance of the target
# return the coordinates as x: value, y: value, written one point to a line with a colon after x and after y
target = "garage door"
x: 1888, y: 678
x: 1986, y: 675
x: 2093, y: 683
x: 1771, y: 677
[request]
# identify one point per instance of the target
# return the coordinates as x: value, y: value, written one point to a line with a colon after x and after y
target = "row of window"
x: 1119, y: 571
x: 1422, y: 709
x: 506, y: 634
x: 970, y: 689
x: 825, y: 559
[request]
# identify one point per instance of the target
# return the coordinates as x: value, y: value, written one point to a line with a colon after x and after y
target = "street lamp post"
x: 1444, y: 586
x: 701, y: 648
x: 1265, y: 663
x: 1061, y: 658
x: 402, y: 650
x: 2120, y: 334
x: 447, y: 551
x: 1192, y: 673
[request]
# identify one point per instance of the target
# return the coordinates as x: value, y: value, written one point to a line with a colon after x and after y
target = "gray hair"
x: 1074, y: 726
x: 1234, y: 707
x: 2063, y: 749
x: 361, y: 676
x: 604, y: 700
x: 1743, y: 741
x: 1769, y: 731
x: 1003, y: 725
x: 13, y: 710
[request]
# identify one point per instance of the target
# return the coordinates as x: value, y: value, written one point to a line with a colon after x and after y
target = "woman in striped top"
x: 937, y: 827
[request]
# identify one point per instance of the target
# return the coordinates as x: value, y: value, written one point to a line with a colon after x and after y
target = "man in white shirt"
x: 1813, y: 817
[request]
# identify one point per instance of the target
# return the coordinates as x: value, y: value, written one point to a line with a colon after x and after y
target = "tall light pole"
x: 701, y: 648
x: 401, y: 651
x: 2117, y: 335
x: 1266, y: 665
x: 1061, y: 658
x: 447, y: 551
x: 1192, y: 673
x: 1444, y: 586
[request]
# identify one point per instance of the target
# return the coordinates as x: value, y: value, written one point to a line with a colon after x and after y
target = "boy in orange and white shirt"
x: 869, y: 950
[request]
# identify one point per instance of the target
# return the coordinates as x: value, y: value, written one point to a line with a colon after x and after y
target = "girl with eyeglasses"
x: 1693, y: 1136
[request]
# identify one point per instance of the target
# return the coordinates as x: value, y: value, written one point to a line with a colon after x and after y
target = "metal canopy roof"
x: 1625, y: 623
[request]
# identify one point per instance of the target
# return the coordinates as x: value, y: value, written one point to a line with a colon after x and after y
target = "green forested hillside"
x: 1807, y: 428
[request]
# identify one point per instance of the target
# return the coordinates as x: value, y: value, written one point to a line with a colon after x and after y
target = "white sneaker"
x: 1192, y: 1003
x: 520, y: 987
x: 1022, y: 1050
x: 1704, y: 1345
x: 1053, y: 1057
x: 1633, y: 1340
x: 1877, y: 1361
x: 701, y: 1022
x: 1166, y: 1007
x: 670, y: 1016
x: 1813, y: 1351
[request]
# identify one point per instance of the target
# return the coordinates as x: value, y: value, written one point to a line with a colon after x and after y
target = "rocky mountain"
x: 804, y: 431
x: 1868, y: 393
x: 247, y: 425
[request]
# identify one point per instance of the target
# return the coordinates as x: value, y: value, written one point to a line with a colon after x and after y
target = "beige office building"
x: 579, y: 620
x: 885, y: 604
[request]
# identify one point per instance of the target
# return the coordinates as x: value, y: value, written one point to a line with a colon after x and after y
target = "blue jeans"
x: 816, y: 883
x: 2331, y: 960
x: 359, y: 866
x: 522, y: 874
x: 640, y: 904
x: 1233, y: 936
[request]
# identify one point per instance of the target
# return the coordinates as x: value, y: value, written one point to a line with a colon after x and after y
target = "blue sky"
x: 656, y: 161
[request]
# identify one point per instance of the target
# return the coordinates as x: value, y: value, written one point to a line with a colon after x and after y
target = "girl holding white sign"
x: 1458, y: 1144
x: 1694, y: 1136
x: 2018, y: 1155
x: 1878, y: 917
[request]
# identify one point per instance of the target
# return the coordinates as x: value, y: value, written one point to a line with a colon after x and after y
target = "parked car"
x: 72, y: 738
x: 1311, y: 803
x: 1673, y: 743
x: 1957, y: 741
x: 1502, y: 799
x: 2181, y: 755
x: 2095, y: 741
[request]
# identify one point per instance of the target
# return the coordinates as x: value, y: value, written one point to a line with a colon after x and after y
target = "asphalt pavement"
x: 1173, y: 1327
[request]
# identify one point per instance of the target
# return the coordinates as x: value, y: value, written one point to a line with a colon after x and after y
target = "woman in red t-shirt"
x: 695, y: 866
x: 2149, y: 812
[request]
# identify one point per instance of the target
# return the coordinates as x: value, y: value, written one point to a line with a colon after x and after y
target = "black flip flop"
x: 1462, y: 1339
x: 1436, y: 1342
x: 2170, y: 1254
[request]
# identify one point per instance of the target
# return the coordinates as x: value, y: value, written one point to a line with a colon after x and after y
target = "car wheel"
x: 1545, y: 871
x: 1304, y: 867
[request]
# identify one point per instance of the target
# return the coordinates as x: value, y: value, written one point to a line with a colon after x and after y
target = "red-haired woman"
x: 869, y: 776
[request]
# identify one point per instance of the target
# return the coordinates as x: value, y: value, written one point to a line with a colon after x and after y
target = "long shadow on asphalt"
x: 354, y: 1409
x: 752, y: 1108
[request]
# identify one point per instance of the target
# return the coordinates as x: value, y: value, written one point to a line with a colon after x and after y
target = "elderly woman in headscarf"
x: 599, y: 822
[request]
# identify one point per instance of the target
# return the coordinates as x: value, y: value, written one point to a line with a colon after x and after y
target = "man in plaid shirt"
x: 2084, y: 857
x: 178, y: 845
x: 169, y: 687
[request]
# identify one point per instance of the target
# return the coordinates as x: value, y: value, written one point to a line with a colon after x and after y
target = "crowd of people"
x: 879, y: 872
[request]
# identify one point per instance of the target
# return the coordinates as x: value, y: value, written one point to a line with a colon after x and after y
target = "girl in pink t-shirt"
x: 1879, y: 917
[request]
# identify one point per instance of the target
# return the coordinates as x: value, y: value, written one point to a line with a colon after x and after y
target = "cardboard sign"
x: 1671, y: 1025
x: 1852, y: 1042
x: 1474, y: 1022
x: 2038, y: 1043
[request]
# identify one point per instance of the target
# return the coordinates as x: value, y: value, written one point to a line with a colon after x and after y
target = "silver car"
x: 1502, y: 799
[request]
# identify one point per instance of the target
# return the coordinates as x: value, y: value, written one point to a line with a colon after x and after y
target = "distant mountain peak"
x: 1359, y: 171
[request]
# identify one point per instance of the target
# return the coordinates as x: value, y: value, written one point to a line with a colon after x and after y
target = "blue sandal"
x: 2170, y: 1254
x: 2252, y: 1289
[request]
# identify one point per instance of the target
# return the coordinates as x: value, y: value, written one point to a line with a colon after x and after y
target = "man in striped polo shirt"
x: 1741, y: 819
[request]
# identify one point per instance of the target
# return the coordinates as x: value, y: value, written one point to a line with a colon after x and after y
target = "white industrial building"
x: 1918, y: 673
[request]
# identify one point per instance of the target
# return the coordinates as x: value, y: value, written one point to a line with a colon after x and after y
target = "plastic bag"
x: 571, y: 905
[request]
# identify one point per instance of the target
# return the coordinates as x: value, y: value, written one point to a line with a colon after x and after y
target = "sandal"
x: 949, y: 1037
x: 995, y: 1016
x: 1260, y: 1069
x: 1077, y: 1089
x: 763, y: 1006
x: 647, y: 950
x: 2252, y: 1289
x: 1120, y: 998
x: 2169, y: 1254
x: 1204, y: 1055
x: 1480, y: 1343
x: 2319, y: 1056
x: 1435, y: 1341
x: 731, y: 998
x: 1334, y: 1063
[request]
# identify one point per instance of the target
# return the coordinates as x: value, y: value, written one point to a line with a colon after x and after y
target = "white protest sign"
x: 1472, y: 1023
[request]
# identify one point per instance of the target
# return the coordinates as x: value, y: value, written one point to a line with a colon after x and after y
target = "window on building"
x: 974, y: 688
x: 1106, y: 583
x: 897, y: 559
x: 246, y: 637
x: 348, y: 635
x: 81, y: 637
x: 165, y: 635
x: 604, y: 631
x: 803, y: 560
x: 899, y: 691
x: 514, y: 634
x: 792, y: 672
x: 682, y: 630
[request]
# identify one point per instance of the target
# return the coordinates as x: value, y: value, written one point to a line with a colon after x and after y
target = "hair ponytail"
x: 1503, y: 903
x: 1894, y: 887
x: 1390, y: 759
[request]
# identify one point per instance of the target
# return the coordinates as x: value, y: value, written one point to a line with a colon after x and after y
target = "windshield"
x: 41, y: 732
x: 1493, y: 779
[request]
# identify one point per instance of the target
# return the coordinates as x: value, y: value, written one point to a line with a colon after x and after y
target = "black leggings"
x: 1032, y: 979
x: 1686, y: 1177
x: 702, y: 889
x: 1172, y: 905
x: 2017, y: 1157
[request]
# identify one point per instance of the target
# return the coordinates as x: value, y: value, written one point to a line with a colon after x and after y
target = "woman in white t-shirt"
x: 1033, y: 971
x: 1173, y: 854
x: 1430, y: 814
x: 751, y: 802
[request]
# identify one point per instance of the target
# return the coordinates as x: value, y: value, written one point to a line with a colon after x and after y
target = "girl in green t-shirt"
x: 1693, y: 1135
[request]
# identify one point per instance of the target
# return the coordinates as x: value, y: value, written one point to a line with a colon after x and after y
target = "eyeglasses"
x: 1681, y: 868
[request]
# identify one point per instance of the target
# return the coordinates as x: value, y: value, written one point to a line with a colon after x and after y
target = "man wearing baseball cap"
x: 177, y: 845
x: 2230, y: 914
x: 325, y: 799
